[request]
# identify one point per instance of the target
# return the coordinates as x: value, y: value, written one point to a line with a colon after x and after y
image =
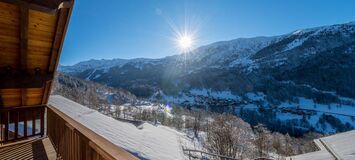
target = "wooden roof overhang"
x: 31, y: 39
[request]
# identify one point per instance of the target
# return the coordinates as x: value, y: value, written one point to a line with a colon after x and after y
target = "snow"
x: 331, y: 108
x: 306, y: 108
x: 255, y: 96
x: 150, y: 142
x: 287, y: 116
x: 342, y: 144
x: 338, y: 146
x: 194, y: 96
x: 88, y: 77
x: 346, y: 31
x: 295, y: 43
x: 342, y: 112
x: 102, y: 64
x: 179, y: 99
x: 97, y: 76
x: 214, y: 94
x: 297, y: 32
x: 21, y: 127
x: 237, y: 48
x: 241, y: 61
x: 106, y: 64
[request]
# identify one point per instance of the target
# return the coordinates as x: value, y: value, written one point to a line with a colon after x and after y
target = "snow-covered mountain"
x: 218, y: 52
x: 315, y: 64
x: 103, y: 64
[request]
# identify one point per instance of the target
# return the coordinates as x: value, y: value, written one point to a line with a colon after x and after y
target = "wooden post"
x: 25, y: 124
x: 33, y: 122
x: 42, y: 121
x: 16, y: 117
x: 6, y: 122
x: 1, y: 127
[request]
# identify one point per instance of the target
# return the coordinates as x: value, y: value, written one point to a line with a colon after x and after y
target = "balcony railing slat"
x: 6, y: 121
x: 33, y: 122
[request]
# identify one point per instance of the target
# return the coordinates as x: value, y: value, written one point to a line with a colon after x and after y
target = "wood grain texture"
x: 31, y: 38
x: 30, y: 149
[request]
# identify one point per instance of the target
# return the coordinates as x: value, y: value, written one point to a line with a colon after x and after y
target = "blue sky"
x: 109, y: 29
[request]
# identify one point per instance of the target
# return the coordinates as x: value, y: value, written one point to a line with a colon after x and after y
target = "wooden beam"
x: 24, y: 81
x: 58, y: 39
x: 65, y: 4
x: 22, y: 108
x: 23, y: 34
x: 23, y: 43
x: 46, y: 93
x: 62, y: 25
x: 41, y: 8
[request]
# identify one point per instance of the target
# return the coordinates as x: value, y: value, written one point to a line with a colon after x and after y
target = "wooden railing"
x: 21, y: 123
x: 73, y: 141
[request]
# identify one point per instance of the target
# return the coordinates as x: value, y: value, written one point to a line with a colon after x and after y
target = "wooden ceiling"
x: 31, y: 37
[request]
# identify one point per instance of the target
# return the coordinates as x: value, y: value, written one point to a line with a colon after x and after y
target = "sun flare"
x: 185, y: 36
x: 185, y: 42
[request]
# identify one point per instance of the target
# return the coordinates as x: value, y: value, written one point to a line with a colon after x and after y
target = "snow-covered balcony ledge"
x: 146, y: 141
x: 73, y: 140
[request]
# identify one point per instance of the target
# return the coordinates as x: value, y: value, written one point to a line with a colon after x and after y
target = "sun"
x: 185, y: 42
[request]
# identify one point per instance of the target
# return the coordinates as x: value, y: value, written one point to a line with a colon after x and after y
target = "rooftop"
x: 338, y: 146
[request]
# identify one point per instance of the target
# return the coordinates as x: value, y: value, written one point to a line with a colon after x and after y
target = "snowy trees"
x: 197, y: 123
x: 263, y: 140
x: 222, y: 134
x: 117, y: 112
x: 177, y: 122
x: 224, y: 137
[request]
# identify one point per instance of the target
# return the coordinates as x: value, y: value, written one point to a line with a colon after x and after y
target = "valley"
x: 302, y: 78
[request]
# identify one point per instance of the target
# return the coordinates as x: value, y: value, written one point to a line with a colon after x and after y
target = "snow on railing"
x: 73, y: 140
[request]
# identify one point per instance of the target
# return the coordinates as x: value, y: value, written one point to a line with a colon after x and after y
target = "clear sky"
x: 106, y: 29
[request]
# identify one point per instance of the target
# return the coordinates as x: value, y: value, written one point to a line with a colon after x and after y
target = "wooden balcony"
x: 40, y: 148
x: 65, y: 139
x: 21, y: 123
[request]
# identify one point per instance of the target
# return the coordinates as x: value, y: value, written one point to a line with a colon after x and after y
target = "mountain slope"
x: 313, y: 64
x: 90, y: 93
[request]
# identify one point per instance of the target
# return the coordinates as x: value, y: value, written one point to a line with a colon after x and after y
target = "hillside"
x: 91, y: 94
